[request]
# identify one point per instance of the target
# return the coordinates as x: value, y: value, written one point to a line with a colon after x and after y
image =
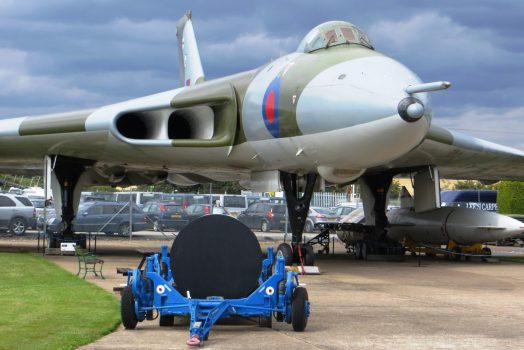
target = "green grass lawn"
x: 45, y: 307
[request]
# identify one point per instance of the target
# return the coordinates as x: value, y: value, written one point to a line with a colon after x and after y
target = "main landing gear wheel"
x: 309, y: 255
x: 364, y: 250
x: 299, y: 309
x: 358, y: 250
x: 308, y: 227
x: 287, y: 253
x: 127, y: 309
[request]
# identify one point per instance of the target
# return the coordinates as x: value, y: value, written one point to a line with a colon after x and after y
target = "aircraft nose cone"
x: 411, y: 109
x: 513, y: 228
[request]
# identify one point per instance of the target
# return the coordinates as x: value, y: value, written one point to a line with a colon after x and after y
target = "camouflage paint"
x: 55, y: 123
x: 293, y: 76
x: 305, y: 68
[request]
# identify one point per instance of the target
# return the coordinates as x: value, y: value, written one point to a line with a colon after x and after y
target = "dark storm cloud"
x: 60, y: 54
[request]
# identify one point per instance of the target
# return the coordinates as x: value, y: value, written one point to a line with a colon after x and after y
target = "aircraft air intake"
x: 411, y: 109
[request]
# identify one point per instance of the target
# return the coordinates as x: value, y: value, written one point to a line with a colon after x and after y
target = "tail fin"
x: 191, y: 71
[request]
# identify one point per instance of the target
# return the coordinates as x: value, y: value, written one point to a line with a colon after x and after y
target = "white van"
x: 234, y: 203
x: 139, y: 198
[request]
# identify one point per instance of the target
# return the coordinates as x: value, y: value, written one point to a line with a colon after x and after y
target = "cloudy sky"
x: 58, y: 55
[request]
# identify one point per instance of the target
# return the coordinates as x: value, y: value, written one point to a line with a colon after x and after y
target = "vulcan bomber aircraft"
x: 335, y: 111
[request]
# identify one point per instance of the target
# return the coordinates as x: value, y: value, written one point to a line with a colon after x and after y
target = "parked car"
x: 195, y: 211
x: 185, y: 199
x: 50, y: 215
x: 165, y: 215
x: 264, y: 216
x: 343, y: 210
x: 16, y: 213
x: 107, y: 217
x: 38, y: 203
x: 318, y: 215
x: 139, y: 198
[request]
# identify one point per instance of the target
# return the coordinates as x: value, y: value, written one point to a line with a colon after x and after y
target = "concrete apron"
x: 357, y: 304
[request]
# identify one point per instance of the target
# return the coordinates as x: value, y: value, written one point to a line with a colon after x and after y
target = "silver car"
x: 318, y: 215
x: 16, y: 213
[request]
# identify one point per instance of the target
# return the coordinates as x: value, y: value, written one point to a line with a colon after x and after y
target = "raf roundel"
x: 270, y: 111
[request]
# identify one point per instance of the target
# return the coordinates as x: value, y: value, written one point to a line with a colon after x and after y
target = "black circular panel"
x: 216, y: 255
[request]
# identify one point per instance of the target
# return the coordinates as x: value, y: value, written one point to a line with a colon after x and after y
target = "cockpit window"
x: 331, y: 34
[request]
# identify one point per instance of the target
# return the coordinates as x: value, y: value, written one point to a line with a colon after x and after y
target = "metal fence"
x: 329, y: 199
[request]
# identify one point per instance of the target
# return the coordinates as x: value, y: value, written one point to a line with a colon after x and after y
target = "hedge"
x: 510, y: 197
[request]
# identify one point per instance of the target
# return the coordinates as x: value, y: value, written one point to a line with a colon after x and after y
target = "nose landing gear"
x: 298, y: 208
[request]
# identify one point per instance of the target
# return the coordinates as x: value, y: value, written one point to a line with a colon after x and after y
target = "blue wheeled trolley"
x: 154, y: 289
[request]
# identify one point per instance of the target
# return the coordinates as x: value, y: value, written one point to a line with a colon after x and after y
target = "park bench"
x: 88, y: 262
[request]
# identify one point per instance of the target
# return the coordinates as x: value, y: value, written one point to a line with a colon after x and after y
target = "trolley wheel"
x: 264, y: 226
x: 167, y: 321
x: 127, y: 309
x: 265, y: 322
x: 309, y: 255
x: 485, y: 251
x: 287, y: 253
x: 156, y: 226
x: 298, y: 309
x: 456, y: 254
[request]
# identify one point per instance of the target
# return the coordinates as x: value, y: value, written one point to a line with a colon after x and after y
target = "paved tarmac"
x: 354, y: 305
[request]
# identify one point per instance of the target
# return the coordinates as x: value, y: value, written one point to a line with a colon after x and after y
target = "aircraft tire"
x: 309, y: 255
x: 298, y: 309
x: 167, y: 321
x: 287, y: 253
x: 127, y: 309
x: 308, y: 227
x: 364, y: 250
x: 358, y: 250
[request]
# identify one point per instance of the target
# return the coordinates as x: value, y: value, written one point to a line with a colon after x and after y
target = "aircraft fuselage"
x: 334, y: 111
